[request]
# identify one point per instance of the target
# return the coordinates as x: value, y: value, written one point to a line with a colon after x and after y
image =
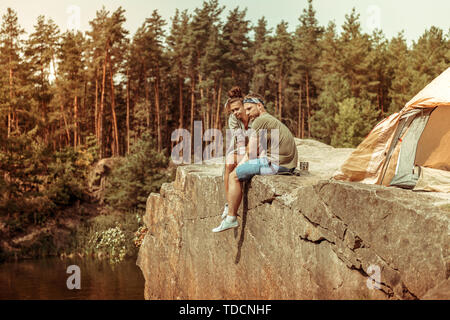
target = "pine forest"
x: 69, y: 99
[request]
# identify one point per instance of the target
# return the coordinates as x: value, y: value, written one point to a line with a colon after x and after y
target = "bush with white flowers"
x: 112, y: 242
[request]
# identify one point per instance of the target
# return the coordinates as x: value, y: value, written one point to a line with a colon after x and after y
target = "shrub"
x: 35, y: 181
x: 140, y: 173
x: 111, y: 236
x: 355, y: 119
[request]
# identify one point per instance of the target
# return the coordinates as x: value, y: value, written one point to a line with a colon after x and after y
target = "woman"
x: 238, y: 123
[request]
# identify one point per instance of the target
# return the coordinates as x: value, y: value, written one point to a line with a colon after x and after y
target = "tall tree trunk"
x: 83, y: 110
x: 303, y: 123
x: 200, y: 80
x: 276, y: 104
x: 102, y: 107
x: 280, y: 96
x: 180, y: 98
x: 147, y: 103
x: 379, y: 99
x: 43, y: 106
x: 208, y: 106
x: 192, y: 104
x: 128, y: 111
x: 308, y: 105
x: 65, y: 125
x: 75, y: 114
x: 61, y: 136
x: 96, y: 106
x: 218, y: 124
x: 299, y: 123
x: 166, y: 116
x: 10, y: 111
x: 55, y: 139
x: 213, y: 104
x: 115, y: 131
x: 157, y: 106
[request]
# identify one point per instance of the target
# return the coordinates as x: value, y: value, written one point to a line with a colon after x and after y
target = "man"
x: 271, y: 149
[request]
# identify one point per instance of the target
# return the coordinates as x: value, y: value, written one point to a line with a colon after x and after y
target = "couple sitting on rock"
x: 270, y: 150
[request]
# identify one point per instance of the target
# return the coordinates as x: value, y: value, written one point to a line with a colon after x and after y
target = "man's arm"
x: 251, y: 150
x: 252, y: 147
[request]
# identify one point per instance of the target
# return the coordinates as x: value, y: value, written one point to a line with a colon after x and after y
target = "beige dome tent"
x: 410, y: 148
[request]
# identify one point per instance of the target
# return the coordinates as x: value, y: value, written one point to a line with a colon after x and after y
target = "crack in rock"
x: 318, y: 241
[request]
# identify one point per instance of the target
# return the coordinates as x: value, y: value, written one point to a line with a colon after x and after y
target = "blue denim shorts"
x: 258, y: 166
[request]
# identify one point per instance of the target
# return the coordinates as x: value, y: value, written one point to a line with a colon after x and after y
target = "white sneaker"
x: 225, y: 225
x: 225, y: 211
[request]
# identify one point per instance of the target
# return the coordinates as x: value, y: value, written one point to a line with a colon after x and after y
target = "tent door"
x: 403, y: 125
x: 405, y: 175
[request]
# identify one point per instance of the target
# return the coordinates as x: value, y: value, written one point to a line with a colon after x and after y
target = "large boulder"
x: 300, y: 237
x: 98, y: 176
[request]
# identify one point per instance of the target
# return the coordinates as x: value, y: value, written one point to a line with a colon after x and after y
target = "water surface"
x: 45, y: 279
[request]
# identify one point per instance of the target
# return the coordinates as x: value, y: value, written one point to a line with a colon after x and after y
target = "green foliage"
x: 92, y: 149
x: 22, y: 167
x: 401, y: 73
x: 35, y: 182
x: 110, y: 236
x: 136, y: 176
x: 354, y: 119
x: 68, y: 175
x: 306, y: 46
x: 329, y: 85
x: 236, y: 60
x: 260, y: 82
x: 335, y: 90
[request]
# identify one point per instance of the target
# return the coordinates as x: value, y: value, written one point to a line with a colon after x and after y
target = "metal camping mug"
x: 304, y: 166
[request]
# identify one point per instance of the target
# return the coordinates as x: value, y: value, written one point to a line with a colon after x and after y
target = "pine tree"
x: 305, y: 63
x: 260, y: 78
x: 137, y: 175
x: 98, y: 53
x: 429, y: 57
x: 236, y: 41
x: 148, y: 42
x: 178, y: 50
x: 280, y: 57
x: 213, y: 67
x: 11, y: 48
x: 333, y: 90
x: 117, y: 44
x: 332, y: 86
x: 41, y: 54
x: 108, y: 45
x: 71, y: 77
x: 354, y: 120
x: 400, y: 72
x: 204, y: 21
x: 447, y: 57
x: 355, y: 48
x: 378, y: 82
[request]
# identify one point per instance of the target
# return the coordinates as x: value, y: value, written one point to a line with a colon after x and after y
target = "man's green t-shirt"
x: 287, y: 151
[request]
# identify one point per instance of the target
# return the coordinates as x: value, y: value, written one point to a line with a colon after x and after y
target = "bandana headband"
x: 253, y: 100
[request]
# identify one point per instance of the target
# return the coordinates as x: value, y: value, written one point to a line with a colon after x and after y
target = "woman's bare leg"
x: 230, y: 164
x: 234, y: 194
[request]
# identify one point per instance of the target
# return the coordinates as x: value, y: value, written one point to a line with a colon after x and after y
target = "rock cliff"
x: 300, y: 237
